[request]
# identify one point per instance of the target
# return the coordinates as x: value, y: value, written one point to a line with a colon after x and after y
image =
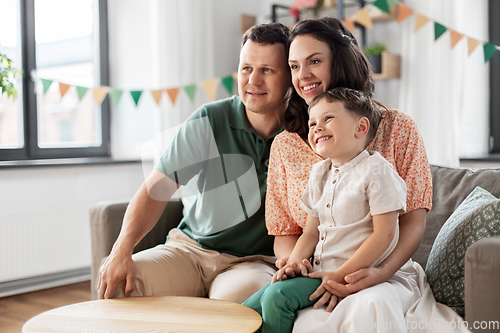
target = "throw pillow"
x: 477, y: 217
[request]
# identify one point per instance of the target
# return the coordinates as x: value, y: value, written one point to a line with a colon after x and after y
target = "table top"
x: 147, y: 314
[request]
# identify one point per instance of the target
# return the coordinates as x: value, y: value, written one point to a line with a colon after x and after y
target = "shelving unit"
x: 391, y: 67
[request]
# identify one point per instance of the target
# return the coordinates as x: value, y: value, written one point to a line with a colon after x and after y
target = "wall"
x: 44, y: 220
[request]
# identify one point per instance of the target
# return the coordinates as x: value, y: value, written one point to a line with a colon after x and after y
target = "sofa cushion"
x: 476, y: 218
x: 450, y: 186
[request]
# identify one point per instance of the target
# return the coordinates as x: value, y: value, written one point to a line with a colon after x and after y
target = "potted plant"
x: 8, y: 75
x: 374, y: 55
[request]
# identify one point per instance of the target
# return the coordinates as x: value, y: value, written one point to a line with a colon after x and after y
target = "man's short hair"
x: 355, y: 101
x: 266, y: 34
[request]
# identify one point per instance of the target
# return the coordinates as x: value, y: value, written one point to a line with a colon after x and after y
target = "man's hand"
x: 114, y: 270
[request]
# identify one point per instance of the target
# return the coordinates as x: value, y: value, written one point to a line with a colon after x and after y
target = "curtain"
x: 445, y: 90
x: 157, y: 45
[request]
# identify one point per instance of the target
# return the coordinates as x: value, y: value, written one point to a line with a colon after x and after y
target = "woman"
x: 323, y: 54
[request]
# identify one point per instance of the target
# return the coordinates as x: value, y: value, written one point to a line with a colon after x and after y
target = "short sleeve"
x: 279, y: 220
x: 310, y: 197
x: 399, y: 141
x: 189, y: 150
x: 386, y: 191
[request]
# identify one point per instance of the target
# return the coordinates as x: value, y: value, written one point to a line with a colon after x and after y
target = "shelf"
x: 391, y: 67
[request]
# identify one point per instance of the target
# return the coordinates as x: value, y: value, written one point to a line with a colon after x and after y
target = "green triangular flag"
x: 382, y: 5
x: 46, y: 84
x: 439, y: 29
x: 392, y: 3
x: 115, y: 96
x: 81, y: 92
x: 190, y: 90
x: 489, y: 50
x: 136, y: 95
x: 228, y: 83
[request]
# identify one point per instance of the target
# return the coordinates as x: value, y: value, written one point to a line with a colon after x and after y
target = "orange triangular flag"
x: 172, y: 93
x: 157, y: 96
x: 99, y: 94
x: 472, y: 44
x: 210, y: 88
x: 403, y: 12
x: 349, y: 25
x: 420, y: 20
x: 455, y: 37
x: 63, y: 88
x: 363, y: 17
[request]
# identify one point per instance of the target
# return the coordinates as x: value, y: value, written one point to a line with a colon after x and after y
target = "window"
x: 61, y: 46
x: 494, y: 24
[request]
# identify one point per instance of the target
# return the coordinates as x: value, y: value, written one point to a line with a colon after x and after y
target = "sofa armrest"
x: 105, y: 224
x: 482, y: 290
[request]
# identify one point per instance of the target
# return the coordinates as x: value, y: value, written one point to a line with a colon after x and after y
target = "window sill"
x: 494, y: 157
x: 64, y: 162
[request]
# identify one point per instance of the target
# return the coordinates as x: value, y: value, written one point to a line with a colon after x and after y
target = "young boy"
x: 352, y: 200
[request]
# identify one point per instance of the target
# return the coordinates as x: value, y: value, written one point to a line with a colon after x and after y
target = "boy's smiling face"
x: 335, y: 132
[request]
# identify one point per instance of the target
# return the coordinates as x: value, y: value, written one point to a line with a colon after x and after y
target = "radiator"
x: 45, y: 245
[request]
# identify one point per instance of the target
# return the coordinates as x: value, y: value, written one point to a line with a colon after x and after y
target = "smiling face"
x: 310, y: 62
x: 263, y: 77
x: 335, y: 132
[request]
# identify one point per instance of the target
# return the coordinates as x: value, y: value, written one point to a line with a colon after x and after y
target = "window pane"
x: 11, y: 110
x: 66, y: 54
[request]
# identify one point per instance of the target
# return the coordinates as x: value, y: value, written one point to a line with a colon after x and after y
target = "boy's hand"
x: 293, y: 269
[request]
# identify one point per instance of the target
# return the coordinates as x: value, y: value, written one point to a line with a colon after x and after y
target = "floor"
x: 18, y: 309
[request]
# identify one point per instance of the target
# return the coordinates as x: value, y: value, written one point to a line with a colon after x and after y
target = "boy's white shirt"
x: 345, y: 199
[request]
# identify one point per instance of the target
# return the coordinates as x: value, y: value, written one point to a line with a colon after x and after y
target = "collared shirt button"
x: 322, y: 237
x: 317, y: 262
x: 334, y: 182
x: 337, y: 170
x: 327, y: 205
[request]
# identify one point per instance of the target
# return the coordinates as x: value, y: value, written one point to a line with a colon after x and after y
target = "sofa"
x: 481, y: 277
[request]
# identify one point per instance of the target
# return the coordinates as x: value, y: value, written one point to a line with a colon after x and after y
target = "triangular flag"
x: 63, y: 88
x: 115, y: 96
x: 46, y: 84
x: 81, y: 92
x: 190, y: 90
x: 228, y: 82
x: 382, y: 5
x: 392, y: 2
x: 439, y: 30
x: 489, y: 50
x: 172, y: 93
x: 99, y: 94
x: 210, y: 88
x: 349, y: 25
x: 403, y: 12
x: 157, y: 94
x: 455, y: 37
x: 472, y: 44
x: 420, y: 20
x: 363, y: 17
x: 136, y: 95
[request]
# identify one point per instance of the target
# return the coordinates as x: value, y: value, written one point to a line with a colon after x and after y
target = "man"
x: 221, y: 248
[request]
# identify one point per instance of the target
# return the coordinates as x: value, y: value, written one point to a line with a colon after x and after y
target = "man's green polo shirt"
x: 218, y: 151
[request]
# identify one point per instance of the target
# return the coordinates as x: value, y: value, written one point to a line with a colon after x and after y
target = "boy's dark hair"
x: 355, y: 101
x: 270, y: 33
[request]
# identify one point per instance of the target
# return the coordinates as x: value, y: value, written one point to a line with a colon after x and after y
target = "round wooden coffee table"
x: 147, y: 314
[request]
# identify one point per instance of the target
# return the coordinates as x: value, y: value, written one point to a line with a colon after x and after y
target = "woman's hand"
x: 324, y: 295
x: 354, y: 282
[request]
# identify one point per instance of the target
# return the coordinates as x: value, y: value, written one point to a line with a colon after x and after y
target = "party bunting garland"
x: 364, y: 18
x: 100, y: 93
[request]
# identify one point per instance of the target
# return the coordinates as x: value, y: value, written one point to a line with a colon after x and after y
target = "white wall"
x: 44, y: 220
